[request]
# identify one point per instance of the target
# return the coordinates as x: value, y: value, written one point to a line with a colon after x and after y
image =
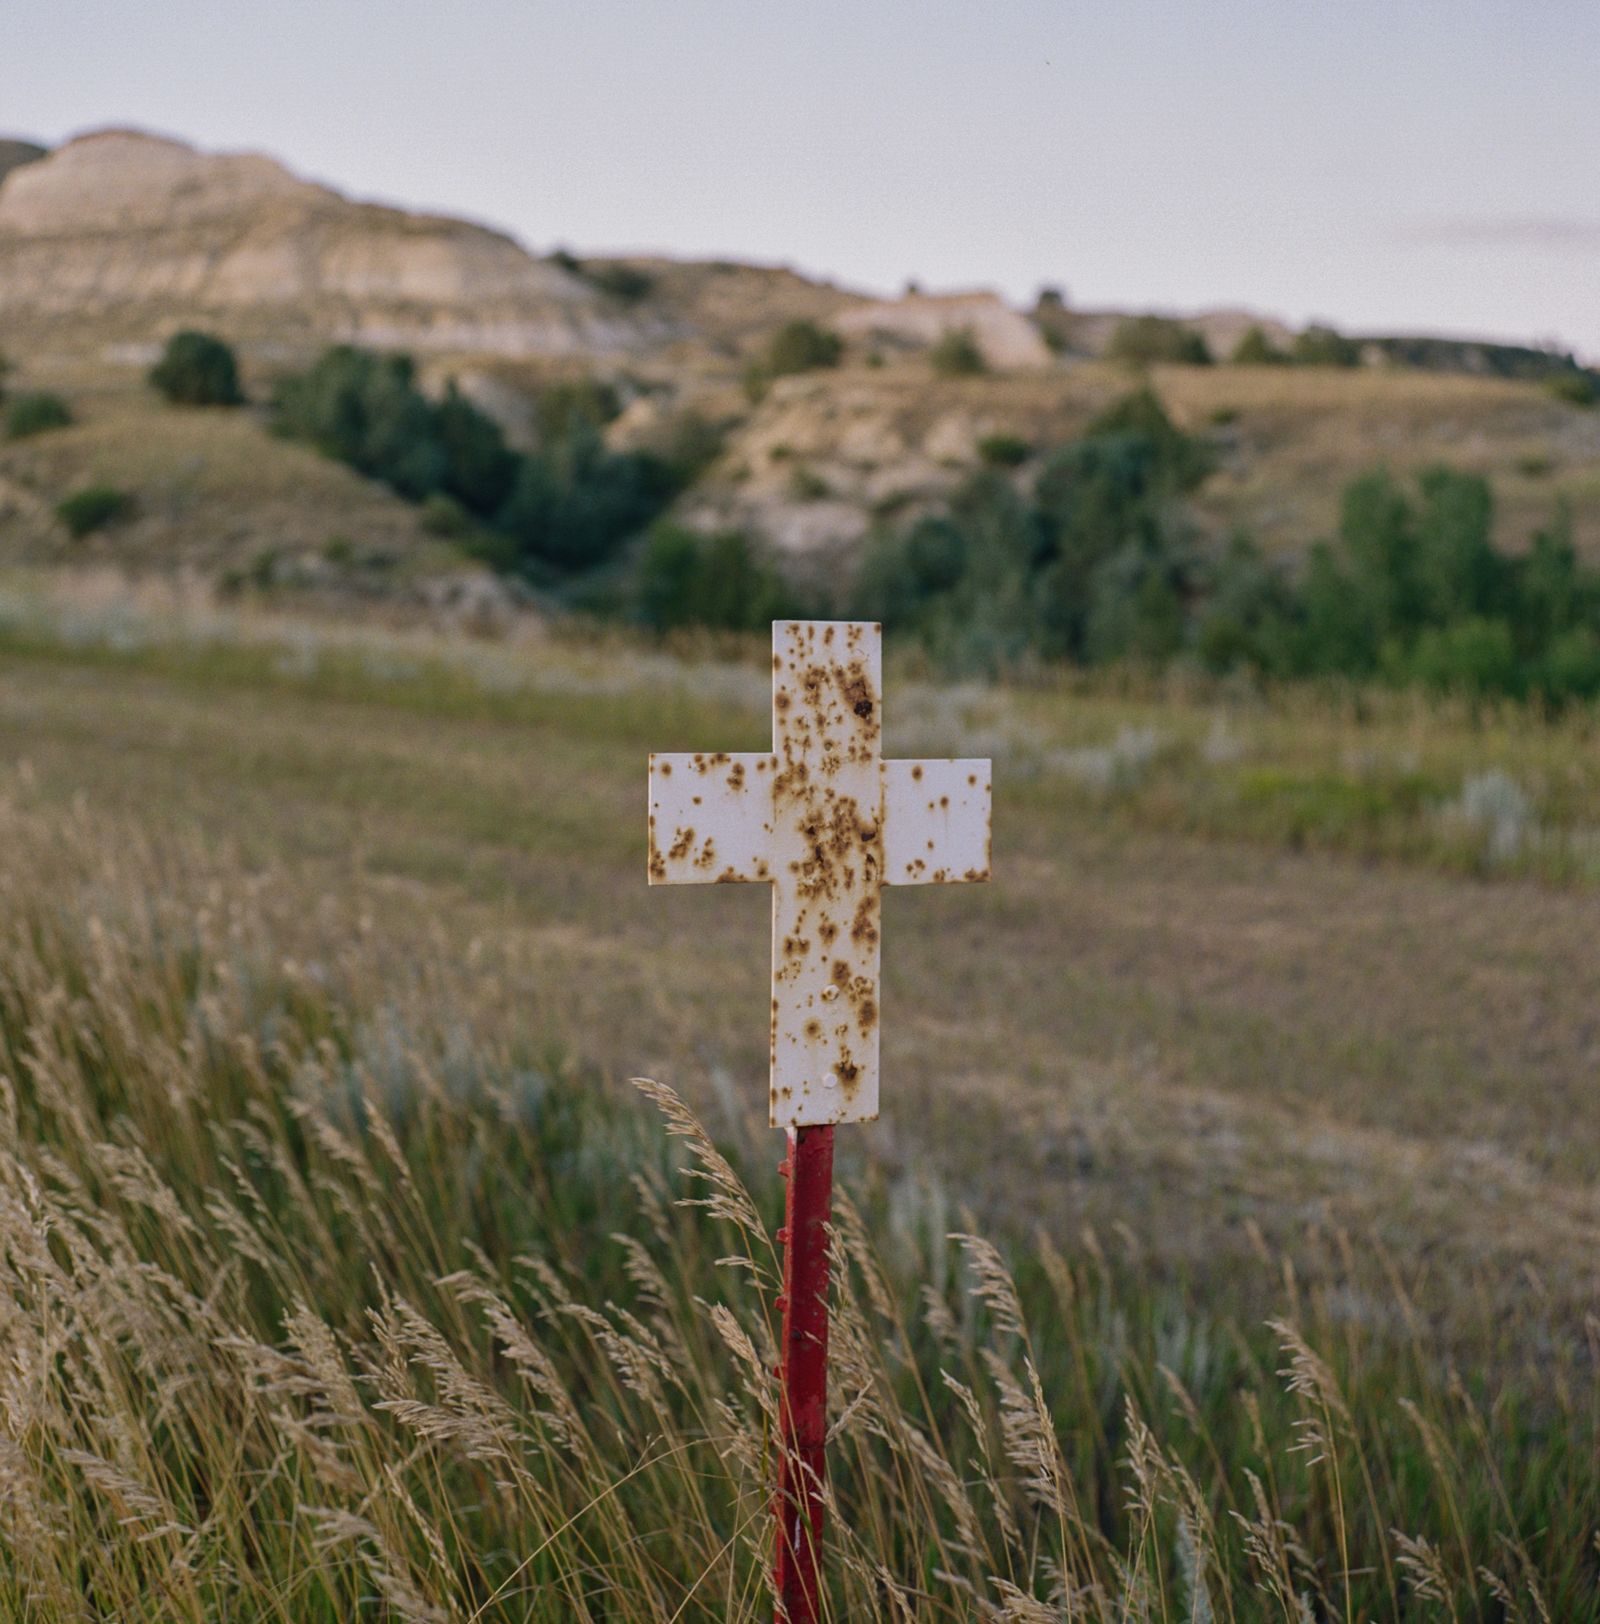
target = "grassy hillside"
x: 346, y: 1276
x: 810, y: 467
x: 213, y: 493
x: 1236, y: 959
x: 824, y: 454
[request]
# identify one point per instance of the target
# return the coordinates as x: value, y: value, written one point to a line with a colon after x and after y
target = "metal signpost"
x: 827, y: 822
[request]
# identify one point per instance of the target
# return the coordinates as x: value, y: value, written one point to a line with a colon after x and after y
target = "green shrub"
x: 1255, y: 349
x: 1177, y: 460
x: 805, y: 486
x: 35, y: 414
x: 1147, y: 340
x: 444, y: 516
x: 956, y: 355
x: 1570, y: 667
x: 1574, y: 388
x: 575, y: 503
x: 1320, y: 346
x: 94, y: 507
x: 197, y: 369
x: 1475, y: 657
x: 625, y: 283
x: 568, y: 506
x: 683, y: 578
x: 1004, y: 450
x: 365, y: 410
x: 801, y: 346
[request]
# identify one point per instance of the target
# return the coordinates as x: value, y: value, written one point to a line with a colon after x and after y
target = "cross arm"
x: 936, y: 822
x: 710, y: 818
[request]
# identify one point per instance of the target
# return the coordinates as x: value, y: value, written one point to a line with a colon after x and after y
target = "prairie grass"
x: 331, y: 1292
x: 1371, y: 772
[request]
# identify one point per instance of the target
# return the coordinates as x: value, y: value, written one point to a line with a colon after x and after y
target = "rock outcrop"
x: 120, y: 221
x: 1006, y: 338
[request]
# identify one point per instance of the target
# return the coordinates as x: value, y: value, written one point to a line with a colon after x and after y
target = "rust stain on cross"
x: 827, y: 823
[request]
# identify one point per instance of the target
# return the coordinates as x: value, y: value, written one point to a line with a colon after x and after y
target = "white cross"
x: 828, y: 823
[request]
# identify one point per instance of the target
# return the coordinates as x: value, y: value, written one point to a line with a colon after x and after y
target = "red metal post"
x: 803, y: 1399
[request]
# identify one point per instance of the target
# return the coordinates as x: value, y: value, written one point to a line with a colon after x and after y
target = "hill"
x: 117, y: 238
x: 125, y: 233
x: 14, y: 154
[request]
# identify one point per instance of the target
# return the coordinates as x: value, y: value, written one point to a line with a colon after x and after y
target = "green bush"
x: 1574, y: 388
x: 94, y: 507
x: 801, y: 346
x: 35, y: 414
x: 575, y: 503
x: 1255, y: 349
x: 956, y: 354
x: 1475, y: 657
x: 365, y: 410
x: 1093, y: 561
x: 1320, y: 346
x: 683, y: 578
x: 568, y: 506
x: 1004, y: 450
x: 625, y: 283
x: 444, y: 516
x: 1146, y: 340
x: 197, y: 369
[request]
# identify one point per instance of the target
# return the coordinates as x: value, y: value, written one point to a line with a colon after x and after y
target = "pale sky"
x: 1414, y: 165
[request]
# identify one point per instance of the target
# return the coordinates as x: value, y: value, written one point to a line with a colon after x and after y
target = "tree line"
x: 1083, y: 554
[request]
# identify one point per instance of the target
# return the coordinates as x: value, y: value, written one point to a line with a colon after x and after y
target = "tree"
x: 684, y: 578
x: 1458, y: 571
x: 1249, y: 615
x: 1136, y: 604
x: 35, y: 414
x: 480, y: 468
x: 1004, y: 450
x: 1255, y: 349
x: 1475, y: 656
x: 573, y: 504
x: 801, y: 346
x: 93, y: 507
x: 1147, y: 340
x: 956, y: 354
x: 197, y: 369
x: 1320, y: 346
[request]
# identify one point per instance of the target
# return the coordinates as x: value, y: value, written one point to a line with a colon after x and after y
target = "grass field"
x: 327, y: 948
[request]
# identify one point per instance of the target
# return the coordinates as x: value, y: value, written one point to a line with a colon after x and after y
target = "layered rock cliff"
x: 120, y: 222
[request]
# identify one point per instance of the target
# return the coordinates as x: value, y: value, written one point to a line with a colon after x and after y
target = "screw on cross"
x: 827, y: 822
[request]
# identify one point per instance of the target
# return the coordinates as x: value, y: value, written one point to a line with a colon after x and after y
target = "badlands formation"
x: 118, y: 226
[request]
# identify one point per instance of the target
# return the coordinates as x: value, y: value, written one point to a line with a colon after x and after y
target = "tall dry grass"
x: 328, y: 1293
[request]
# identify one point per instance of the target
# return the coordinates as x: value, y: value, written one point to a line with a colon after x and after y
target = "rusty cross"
x: 827, y: 822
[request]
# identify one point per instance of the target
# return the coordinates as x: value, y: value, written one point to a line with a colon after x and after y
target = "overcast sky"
x: 1405, y: 165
